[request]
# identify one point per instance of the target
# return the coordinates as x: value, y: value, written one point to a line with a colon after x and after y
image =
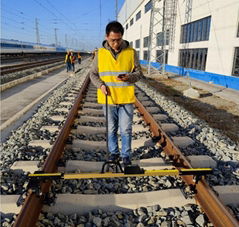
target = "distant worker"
x: 73, y: 58
x: 114, y: 71
x: 68, y: 61
x: 79, y: 58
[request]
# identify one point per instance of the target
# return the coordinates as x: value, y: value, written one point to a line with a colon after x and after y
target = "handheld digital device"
x: 121, y: 76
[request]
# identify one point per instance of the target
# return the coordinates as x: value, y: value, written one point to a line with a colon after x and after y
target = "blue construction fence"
x: 219, y: 79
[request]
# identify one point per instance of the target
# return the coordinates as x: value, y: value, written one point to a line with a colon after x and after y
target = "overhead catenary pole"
x: 72, y: 42
x: 162, y: 18
x: 37, y: 31
x: 55, y: 29
x: 164, y: 37
x: 150, y: 37
x: 156, y: 24
x: 116, y: 10
x: 100, y: 21
x: 188, y: 11
x: 187, y: 19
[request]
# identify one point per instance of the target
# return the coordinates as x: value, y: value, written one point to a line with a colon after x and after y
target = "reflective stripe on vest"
x: 109, y: 69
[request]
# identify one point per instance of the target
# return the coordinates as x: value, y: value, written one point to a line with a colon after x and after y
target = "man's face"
x: 114, y: 40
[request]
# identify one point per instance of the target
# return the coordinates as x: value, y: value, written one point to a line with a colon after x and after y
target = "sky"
x: 77, y: 23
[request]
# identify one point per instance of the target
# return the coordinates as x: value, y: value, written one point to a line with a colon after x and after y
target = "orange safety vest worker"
x: 109, y: 68
x: 73, y: 58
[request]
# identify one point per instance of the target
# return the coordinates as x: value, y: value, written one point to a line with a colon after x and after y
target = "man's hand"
x: 105, y: 90
x: 124, y: 78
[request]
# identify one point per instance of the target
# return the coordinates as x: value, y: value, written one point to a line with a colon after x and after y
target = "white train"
x: 15, y: 46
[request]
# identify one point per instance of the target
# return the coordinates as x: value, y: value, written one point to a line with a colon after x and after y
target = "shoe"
x: 126, y: 161
x: 113, y: 158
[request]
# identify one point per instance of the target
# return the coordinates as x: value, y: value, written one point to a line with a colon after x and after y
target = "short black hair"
x: 114, y: 26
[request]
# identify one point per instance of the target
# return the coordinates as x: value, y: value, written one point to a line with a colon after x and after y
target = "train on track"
x: 15, y: 46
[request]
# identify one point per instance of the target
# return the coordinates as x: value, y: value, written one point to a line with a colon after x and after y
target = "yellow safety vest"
x: 109, y: 68
x: 67, y: 58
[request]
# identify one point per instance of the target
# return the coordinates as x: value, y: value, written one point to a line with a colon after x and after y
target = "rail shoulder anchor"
x: 190, y: 190
x: 34, y: 185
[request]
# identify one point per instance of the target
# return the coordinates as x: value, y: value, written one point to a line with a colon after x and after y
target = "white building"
x: 208, y: 42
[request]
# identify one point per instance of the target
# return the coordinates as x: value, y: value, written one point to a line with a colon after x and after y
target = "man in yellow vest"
x: 114, y: 71
x: 68, y: 61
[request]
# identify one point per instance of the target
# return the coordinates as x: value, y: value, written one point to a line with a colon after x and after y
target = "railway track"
x: 80, y: 147
x: 15, y: 68
x: 7, y: 58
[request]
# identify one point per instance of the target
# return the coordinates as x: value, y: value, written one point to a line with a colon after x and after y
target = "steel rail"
x: 23, y: 64
x: 11, y: 57
x: 13, y: 68
x: 33, y: 204
x: 217, y: 213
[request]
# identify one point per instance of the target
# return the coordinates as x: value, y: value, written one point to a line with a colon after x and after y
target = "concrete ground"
x: 24, y: 98
x: 219, y: 91
x: 228, y: 94
x: 16, y: 98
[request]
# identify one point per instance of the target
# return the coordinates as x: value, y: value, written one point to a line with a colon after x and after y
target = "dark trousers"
x: 68, y: 66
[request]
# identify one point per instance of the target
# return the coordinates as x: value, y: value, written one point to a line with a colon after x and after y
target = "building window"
x: 159, y: 56
x: 137, y: 43
x: 137, y: 52
x: 138, y: 15
x: 131, y: 21
x: 193, y: 58
x: 127, y: 26
x: 196, y: 31
x: 160, y: 38
x: 148, y: 6
x: 146, y: 41
x: 235, y: 69
x: 146, y: 55
x: 131, y: 43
